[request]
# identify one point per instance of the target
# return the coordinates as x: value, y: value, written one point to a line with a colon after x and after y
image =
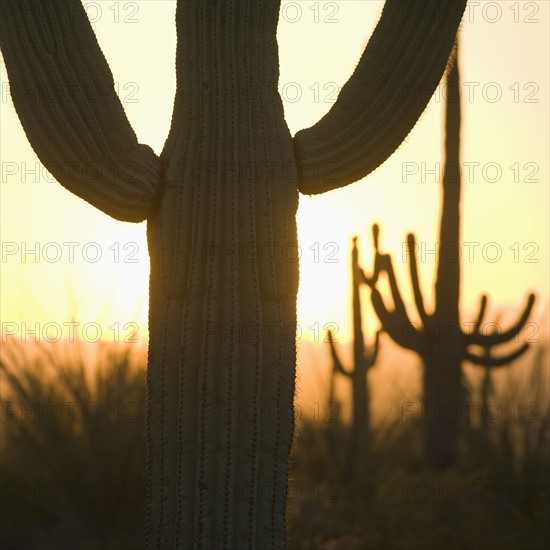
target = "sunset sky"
x: 504, y: 60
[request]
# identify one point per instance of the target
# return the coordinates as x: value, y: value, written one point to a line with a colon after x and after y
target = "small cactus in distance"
x: 364, y: 359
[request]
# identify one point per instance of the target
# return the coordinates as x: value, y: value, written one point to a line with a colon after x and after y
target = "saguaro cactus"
x: 227, y: 178
x: 363, y: 359
x: 441, y: 342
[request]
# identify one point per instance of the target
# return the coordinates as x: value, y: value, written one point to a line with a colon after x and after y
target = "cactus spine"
x: 217, y: 480
x: 442, y: 356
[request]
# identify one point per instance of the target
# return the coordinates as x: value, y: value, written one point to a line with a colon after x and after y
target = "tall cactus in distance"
x: 217, y: 478
x: 442, y: 350
x: 364, y: 359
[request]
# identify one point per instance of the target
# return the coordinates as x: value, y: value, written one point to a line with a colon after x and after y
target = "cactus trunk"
x: 223, y: 303
x: 442, y: 408
x: 361, y: 414
x: 442, y: 388
x: 361, y: 417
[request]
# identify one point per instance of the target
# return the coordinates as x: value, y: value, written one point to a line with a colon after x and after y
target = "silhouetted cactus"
x: 441, y: 342
x: 487, y: 389
x: 363, y: 359
x: 226, y: 179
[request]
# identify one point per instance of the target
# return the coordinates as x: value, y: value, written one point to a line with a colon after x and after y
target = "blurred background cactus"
x: 364, y: 358
x: 441, y: 341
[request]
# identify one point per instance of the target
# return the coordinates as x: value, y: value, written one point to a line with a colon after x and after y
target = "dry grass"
x: 73, y: 455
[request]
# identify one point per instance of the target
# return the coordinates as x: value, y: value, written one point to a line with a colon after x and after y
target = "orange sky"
x: 504, y: 61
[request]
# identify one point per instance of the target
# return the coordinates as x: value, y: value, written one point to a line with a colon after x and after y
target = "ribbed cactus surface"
x: 223, y: 303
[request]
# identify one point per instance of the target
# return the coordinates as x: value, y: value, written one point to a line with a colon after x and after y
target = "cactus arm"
x: 493, y: 362
x: 480, y: 314
x: 383, y: 262
x: 396, y: 323
x: 417, y: 291
x: 381, y: 102
x: 63, y: 92
x: 373, y: 356
x: 468, y: 336
x: 500, y: 338
x: 337, y: 364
